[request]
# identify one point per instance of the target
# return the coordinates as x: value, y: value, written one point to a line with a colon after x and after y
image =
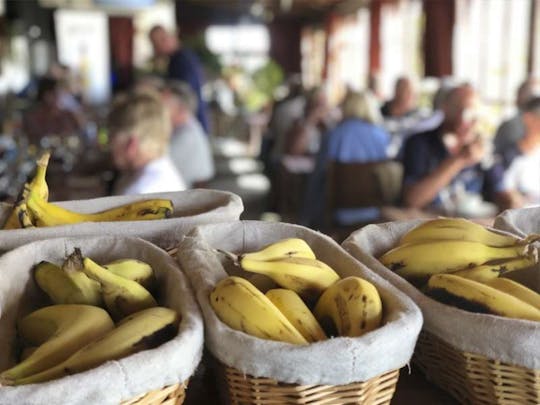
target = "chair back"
x: 357, y: 185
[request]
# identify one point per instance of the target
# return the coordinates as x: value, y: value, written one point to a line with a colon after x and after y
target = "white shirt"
x: 523, y: 175
x: 191, y: 153
x: 158, y: 176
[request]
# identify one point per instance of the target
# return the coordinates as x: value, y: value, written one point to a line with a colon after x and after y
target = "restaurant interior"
x: 331, y: 114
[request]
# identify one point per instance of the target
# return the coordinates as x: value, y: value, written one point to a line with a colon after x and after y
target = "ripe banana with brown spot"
x: 291, y: 247
x: 352, y: 306
x: 458, y: 229
x: 122, y: 296
x: 135, y: 270
x: 307, y: 277
x: 295, y: 310
x: 57, y: 331
x: 239, y: 305
x: 474, y: 296
x: 141, y: 331
x: 48, y: 214
x: 68, y: 284
x: 516, y: 289
x: 486, y: 272
x: 423, y: 259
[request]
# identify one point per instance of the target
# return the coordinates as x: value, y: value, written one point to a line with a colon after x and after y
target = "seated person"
x: 47, y: 117
x: 447, y: 159
x: 189, y: 148
x: 304, y: 137
x: 356, y: 139
x: 511, y: 131
x: 522, y: 178
x: 140, y: 129
x: 404, y: 102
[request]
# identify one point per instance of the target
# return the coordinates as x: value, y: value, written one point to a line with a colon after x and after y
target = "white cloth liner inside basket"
x: 191, y: 208
x: 334, y: 361
x: 114, y: 381
x: 512, y: 341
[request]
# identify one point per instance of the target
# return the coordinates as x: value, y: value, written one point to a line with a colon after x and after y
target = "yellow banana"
x: 420, y: 260
x: 122, y: 296
x: 59, y: 331
x: 48, y: 214
x: 291, y: 247
x: 69, y: 284
x: 474, y: 296
x: 291, y: 305
x: 19, y: 216
x: 486, y: 272
x: 457, y: 229
x: 239, y: 305
x: 517, y: 290
x: 135, y: 270
x: 144, y: 330
x: 352, y: 306
x: 307, y: 277
x: 27, y: 352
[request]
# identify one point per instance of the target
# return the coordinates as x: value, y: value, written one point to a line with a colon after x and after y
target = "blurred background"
x: 306, y: 106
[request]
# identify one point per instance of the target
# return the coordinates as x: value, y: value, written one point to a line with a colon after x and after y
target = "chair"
x: 358, y: 185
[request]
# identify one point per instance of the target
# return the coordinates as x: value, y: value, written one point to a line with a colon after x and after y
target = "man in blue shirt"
x: 448, y: 158
x: 183, y: 65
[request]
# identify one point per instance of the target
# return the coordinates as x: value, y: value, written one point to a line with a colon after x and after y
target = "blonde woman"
x: 140, y: 130
x: 356, y: 139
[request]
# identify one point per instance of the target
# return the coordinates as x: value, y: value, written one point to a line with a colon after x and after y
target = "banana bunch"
x: 462, y: 263
x: 33, y: 209
x: 455, y: 245
x: 119, y: 285
x: 68, y: 339
x: 344, y: 307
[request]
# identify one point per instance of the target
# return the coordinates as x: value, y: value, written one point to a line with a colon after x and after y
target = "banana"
x: 27, y: 352
x: 69, y: 284
x: 239, y: 305
x: 291, y: 247
x: 48, y: 214
x: 134, y: 270
x: 420, y: 260
x: 352, y: 306
x: 291, y: 305
x: 307, y: 277
x: 486, y: 272
x: 141, y: 331
x: 19, y: 216
x: 59, y: 331
x: 473, y: 296
x: 122, y: 296
x: 517, y: 290
x: 457, y: 229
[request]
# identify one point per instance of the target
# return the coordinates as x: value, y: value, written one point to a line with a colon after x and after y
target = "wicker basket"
x: 473, y: 378
x: 171, y: 395
x: 239, y: 389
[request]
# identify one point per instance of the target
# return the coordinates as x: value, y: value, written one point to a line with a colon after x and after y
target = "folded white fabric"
x: 114, y: 381
x: 191, y: 208
x: 509, y: 340
x: 523, y: 221
x: 335, y: 361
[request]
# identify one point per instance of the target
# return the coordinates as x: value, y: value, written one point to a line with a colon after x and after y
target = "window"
x: 313, y: 49
x: 245, y: 45
x: 490, y: 48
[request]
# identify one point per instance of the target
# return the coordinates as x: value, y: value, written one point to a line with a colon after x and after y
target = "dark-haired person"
x: 522, y: 177
x: 183, y: 65
x: 47, y: 118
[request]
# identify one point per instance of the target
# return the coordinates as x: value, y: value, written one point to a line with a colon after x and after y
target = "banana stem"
x: 535, y: 237
x: 231, y: 256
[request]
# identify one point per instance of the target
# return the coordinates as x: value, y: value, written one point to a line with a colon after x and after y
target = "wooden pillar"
x: 438, y: 34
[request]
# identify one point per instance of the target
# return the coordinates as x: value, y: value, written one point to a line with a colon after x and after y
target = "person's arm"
x: 296, y: 140
x: 422, y: 192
